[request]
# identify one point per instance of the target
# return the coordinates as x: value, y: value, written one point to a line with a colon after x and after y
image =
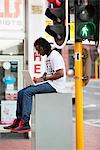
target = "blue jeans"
x: 24, y: 99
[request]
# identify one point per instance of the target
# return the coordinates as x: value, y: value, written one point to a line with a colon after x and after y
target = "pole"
x: 79, y: 97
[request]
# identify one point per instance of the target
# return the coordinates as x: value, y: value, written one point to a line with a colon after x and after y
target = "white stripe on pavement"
x: 89, y: 106
x: 91, y: 122
x: 94, y: 86
x: 97, y: 93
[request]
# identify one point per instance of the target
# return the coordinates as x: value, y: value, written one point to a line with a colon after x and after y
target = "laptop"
x: 27, y: 78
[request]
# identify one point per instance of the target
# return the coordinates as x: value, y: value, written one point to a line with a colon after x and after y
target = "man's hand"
x: 38, y: 80
x: 57, y: 75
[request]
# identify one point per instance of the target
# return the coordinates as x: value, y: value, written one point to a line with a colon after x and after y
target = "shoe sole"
x: 7, y: 128
x: 22, y: 131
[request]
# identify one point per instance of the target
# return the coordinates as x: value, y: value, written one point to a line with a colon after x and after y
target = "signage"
x: 37, y: 9
x: 77, y: 56
x: 12, y: 15
x: 8, y: 111
x: 39, y: 65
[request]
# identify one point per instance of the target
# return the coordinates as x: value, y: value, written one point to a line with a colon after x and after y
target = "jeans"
x: 24, y: 99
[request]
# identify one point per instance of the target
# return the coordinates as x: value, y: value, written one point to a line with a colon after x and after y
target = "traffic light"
x: 58, y: 15
x: 86, y: 20
x: 56, y: 2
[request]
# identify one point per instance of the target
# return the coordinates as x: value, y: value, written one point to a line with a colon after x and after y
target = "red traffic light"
x: 55, y: 2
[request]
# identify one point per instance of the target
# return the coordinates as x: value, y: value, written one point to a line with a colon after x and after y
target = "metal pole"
x: 79, y: 97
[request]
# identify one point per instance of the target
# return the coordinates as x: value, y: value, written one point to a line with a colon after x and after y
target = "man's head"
x: 42, y: 46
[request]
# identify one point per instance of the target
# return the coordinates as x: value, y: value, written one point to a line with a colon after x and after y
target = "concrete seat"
x: 52, y: 122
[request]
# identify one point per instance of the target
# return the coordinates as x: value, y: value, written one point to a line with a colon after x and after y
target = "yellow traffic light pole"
x: 79, y: 96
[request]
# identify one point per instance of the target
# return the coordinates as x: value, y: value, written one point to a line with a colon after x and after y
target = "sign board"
x: 12, y: 15
x: 38, y: 65
x: 77, y: 56
x: 37, y: 9
x: 8, y: 111
x: 11, y: 94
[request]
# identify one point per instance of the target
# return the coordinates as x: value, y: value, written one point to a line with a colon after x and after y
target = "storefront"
x: 12, y: 56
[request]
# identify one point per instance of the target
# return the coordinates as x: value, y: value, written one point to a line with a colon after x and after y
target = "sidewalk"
x: 91, y: 137
x: 91, y: 140
x: 17, y: 144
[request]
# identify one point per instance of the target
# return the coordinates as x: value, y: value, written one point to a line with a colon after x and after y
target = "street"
x: 91, y: 110
x: 91, y: 103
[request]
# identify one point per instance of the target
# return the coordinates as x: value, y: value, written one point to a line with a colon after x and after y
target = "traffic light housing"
x: 57, y: 30
x: 86, y: 21
x: 58, y: 15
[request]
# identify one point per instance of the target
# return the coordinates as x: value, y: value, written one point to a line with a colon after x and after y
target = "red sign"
x: 55, y: 2
x: 7, y: 12
x: 12, y: 14
x: 37, y: 64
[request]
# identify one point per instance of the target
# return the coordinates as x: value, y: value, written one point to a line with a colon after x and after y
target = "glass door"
x: 11, y: 80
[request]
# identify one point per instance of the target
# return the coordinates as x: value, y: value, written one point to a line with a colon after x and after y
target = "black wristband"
x: 44, y: 78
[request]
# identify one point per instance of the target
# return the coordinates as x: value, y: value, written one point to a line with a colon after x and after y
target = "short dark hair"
x: 43, y: 43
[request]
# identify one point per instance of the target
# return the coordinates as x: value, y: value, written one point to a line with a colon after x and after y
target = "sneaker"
x: 13, y: 125
x: 23, y: 127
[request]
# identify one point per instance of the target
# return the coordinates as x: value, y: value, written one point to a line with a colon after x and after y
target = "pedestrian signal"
x: 86, y: 21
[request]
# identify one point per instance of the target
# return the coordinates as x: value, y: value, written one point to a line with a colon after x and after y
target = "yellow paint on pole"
x: 79, y: 97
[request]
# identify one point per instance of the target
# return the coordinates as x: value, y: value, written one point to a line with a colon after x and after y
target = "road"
x: 91, y: 103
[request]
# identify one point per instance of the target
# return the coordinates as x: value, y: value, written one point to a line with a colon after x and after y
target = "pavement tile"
x: 91, y: 140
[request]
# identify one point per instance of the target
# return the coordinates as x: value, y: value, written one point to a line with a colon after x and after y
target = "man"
x: 52, y: 81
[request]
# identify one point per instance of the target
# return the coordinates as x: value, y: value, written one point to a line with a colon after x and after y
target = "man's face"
x: 40, y: 50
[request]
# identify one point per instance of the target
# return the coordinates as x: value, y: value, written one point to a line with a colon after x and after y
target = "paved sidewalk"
x: 17, y: 144
x: 91, y: 137
x: 91, y: 140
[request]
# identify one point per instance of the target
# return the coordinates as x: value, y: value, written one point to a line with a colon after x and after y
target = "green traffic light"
x: 87, y: 30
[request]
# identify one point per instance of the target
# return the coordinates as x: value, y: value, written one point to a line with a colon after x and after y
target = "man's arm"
x: 58, y: 74
x: 41, y: 79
